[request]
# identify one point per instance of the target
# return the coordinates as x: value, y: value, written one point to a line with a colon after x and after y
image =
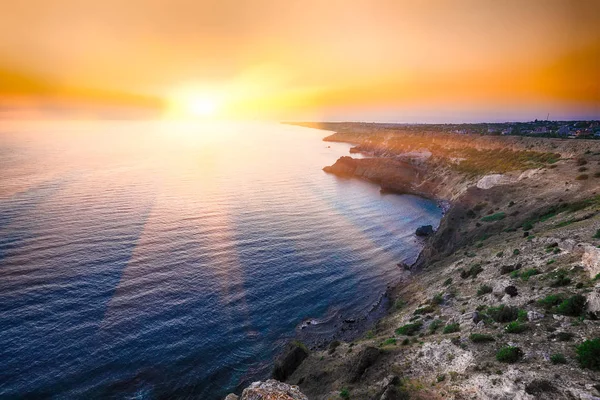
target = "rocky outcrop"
x: 425, y: 230
x: 269, y: 390
x: 287, y: 362
x: 366, y: 358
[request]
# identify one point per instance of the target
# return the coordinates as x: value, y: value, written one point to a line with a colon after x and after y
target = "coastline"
x: 488, y: 199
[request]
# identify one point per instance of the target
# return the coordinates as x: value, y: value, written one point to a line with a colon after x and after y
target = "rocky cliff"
x: 504, y: 301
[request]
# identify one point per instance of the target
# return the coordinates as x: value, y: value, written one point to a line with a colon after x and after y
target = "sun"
x: 200, y: 106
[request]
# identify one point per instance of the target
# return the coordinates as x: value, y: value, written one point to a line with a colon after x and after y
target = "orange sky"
x: 345, y: 60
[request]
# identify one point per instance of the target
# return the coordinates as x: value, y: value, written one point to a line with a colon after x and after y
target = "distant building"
x: 564, y: 130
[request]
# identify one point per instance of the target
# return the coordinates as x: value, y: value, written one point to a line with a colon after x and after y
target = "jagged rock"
x: 534, y: 315
x: 232, y: 396
x: 294, y: 353
x: 424, y: 230
x: 365, y: 359
x: 593, y: 301
x: 270, y: 390
x: 476, y: 317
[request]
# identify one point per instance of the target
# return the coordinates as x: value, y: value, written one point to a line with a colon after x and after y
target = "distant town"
x: 540, y: 128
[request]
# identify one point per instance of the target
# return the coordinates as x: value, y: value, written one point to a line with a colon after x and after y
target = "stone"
x: 591, y: 259
x: 272, y: 390
x: 294, y: 353
x: 424, y: 230
x: 232, y: 396
x: 534, y: 315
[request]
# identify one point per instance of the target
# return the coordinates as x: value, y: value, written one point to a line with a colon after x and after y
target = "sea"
x: 167, y: 259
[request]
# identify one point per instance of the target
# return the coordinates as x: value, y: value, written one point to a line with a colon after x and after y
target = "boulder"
x: 534, y: 315
x: 232, y: 396
x: 364, y: 360
x: 270, y: 390
x: 294, y: 353
x: 593, y: 302
x: 424, y: 230
x: 591, y: 259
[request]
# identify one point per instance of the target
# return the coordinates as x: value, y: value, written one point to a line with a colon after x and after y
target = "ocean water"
x: 166, y: 260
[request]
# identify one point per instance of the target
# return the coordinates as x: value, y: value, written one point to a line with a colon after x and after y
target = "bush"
x: 424, y: 310
x: 525, y: 275
x: 597, y: 235
x: 573, y: 306
x: 558, y: 358
x: 451, y: 328
x: 472, y: 272
x: 409, y: 329
x: 564, y: 336
x: 509, y: 354
x: 503, y: 313
x: 494, y: 217
x: 405, y: 342
x: 438, y: 298
x: 484, y: 289
x: 499, y: 254
x: 516, y: 252
x: 507, y: 269
x: 516, y: 327
x: 399, y: 304
x: 388, y: 342
x: 527, y: 225
x: 581, y: 161
x: 550, y: 301
x: 582, y: 177
x: 561, y: 279
x: 582, y: 169
x: 435, y: 325
x: 588, y: 354
x: 345, y: 393
x: 448, y: 282
x: 481, y: 338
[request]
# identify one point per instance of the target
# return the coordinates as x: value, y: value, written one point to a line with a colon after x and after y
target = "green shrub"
x: 405, y: 342
x: 550, y: 301
x: 597, y: 235
x: 494, y: 217
x: 438, y: 298
x: 435, y: 325
x: 399, y: 304
x: 550, y: 262
x: 472, y: 272
x: 582, y: 177
x: 441, y: 378
x: 516, y: 252
x: 388, y: 342
x: 503, y: 313
x: 560, y: 278
x: 481, y: 338
x: 409, y: 329
x: 448, y: 282
x: 527, y: 226
x: 522, y: 315
x: 558, y: 358
x: 499, y: 254
x: 525, y: 275
x: 573, y: 306
x: 424, y: 310
x: 515, y: 327
x: 484, y: 289
x: 588, y: 354
x: 509, y: 354
x: 451, y: 328
x: 344, y: 393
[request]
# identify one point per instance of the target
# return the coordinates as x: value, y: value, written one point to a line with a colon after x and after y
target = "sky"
x: 361, y: 60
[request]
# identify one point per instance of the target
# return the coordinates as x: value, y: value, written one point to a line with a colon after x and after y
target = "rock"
x: 476, y: 317
x: 232, y: 396
x: 350, y: 320
x: 534, y: 315
x: 271, y: 390
x: 593, y: 302
x: 365, y: 359
x: 333, y: 346
x: 511, y: 291
x: 294, y: 353
x: 591, y: 259
x: 424, y: 230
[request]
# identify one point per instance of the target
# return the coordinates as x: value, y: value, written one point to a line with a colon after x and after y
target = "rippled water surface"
x: 151, y: 260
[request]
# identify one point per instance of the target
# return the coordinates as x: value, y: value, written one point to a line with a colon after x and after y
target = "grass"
x: 481, y: 338
x: 558, y: 358
x: 550, y: 301
x: 588, y: 354
x: 451, y: 328
x: 525, y: 275
x: 409, y: 329
x: 494, y: 217
x: 484, y: 289
x: 516, y: 327
x: 509, y: 354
